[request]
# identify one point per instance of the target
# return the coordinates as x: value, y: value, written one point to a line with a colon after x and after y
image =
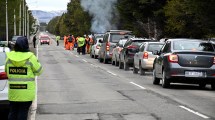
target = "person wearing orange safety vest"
x: 87, y: 44
x: 64, y: 41
x: 21, y: 67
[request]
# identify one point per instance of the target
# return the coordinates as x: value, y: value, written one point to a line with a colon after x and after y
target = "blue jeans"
x: 19, y: 110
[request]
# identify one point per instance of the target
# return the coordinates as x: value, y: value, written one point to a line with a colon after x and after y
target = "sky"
x: 47, y: 5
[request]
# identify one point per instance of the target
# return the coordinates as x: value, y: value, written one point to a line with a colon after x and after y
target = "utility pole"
x: 26, y: 20
x: 20, y: 17
x: 14, y: 22
x: 6, y: 24
x: 23, y: 22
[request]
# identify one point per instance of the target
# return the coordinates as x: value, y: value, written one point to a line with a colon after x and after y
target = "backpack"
x: 70, y: 39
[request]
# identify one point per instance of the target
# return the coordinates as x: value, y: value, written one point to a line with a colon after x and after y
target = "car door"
x: 160, y: 59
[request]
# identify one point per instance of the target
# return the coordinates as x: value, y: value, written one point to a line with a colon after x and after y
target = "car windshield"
x: 44, y: 38
x: 193, y: 45
x: 2, y: 58
x: 115, y: 37
x: 153, y: 47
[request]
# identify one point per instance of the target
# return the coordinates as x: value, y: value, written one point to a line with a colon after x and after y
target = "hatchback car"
x: 109, y: 42
x: 45, y: 39
x: 143, y: 60
x: 96, y: 46
x: 117, y: 50
x: 4, y: 103
x: 131, y: 47
x: 185, y: 61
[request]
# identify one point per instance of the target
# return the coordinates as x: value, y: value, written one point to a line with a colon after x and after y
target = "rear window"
x: 115, y: 37
x: 153, y: 47
x: 2, y: 58
x: 193, y: 45
x: 137, y: 42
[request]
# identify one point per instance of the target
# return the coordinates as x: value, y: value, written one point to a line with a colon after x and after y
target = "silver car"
x: 95, y: 48
x: 143, y: 60
x: 116, y: 51
x: 3, y: 79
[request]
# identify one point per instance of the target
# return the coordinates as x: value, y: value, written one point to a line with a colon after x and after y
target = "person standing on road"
x: 57, y: 40
x: 81, y: 45
x: 21, y: 67
x: 34, y: 41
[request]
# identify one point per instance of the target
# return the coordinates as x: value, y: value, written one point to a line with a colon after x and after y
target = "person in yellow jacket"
x: 81, y: 45
x: 21, y: 67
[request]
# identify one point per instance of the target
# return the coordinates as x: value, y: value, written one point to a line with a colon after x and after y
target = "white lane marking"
x: 76, y: 56
x: 84, y: 60
x: 111, y: 73
x: 138, y: 85
x: 194, y: 112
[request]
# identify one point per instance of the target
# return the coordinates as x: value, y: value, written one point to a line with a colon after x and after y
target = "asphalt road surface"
x: 77, y: 87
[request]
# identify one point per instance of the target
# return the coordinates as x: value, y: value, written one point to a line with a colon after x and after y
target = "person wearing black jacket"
x: 34, y: 41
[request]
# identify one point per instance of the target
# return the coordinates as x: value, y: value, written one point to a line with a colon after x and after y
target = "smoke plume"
x: 103, y: 12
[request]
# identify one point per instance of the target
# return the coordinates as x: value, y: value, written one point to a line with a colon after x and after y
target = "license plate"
x: 194, y: 74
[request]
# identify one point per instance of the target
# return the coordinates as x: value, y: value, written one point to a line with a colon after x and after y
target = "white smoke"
x: 102, y: 12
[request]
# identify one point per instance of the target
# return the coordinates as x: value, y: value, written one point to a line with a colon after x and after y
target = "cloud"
x: 47, y: 5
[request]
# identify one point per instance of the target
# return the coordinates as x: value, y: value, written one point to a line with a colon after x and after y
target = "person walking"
x: 81, y: 45
x: 57, y: 40
x: 34, y: 41
x: 21, y: 67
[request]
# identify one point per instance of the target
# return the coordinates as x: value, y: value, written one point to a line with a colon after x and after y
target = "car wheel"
x: 105, y: 61
x: 165, y: 81
x: 142, y: 71
x: 126, y: 67
x: 100, y: 60
x: 213, y: 85
x: 202, y: 85
x: 113, y: 62
x: 156, y: 81
x: 135, y: 70
x: 116, y: 62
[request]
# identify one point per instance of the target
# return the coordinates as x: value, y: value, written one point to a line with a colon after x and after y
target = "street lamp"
x: 6, y: 24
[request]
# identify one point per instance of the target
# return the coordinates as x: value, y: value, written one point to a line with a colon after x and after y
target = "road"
x: 77, y: 87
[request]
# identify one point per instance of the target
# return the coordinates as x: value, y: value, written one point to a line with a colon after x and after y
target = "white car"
x: 95, y: 48
x: 4, y: 103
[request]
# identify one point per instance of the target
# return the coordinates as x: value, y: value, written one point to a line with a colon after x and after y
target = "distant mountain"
x: 46, y: 16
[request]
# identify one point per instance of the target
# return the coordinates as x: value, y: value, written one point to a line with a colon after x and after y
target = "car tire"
x: 156, y: 81
x: 142, y: 71
x: 135, y: 70
x: 202, y: 85
x: 126, y: 67
x: 165, y: 81
x: 112, y: 62
x: 212, y: 85
x: 100, y: 60
x: 116, y: 62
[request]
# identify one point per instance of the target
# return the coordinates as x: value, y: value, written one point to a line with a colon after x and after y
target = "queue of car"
x: 179, y: 60
x: 4, y: 103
